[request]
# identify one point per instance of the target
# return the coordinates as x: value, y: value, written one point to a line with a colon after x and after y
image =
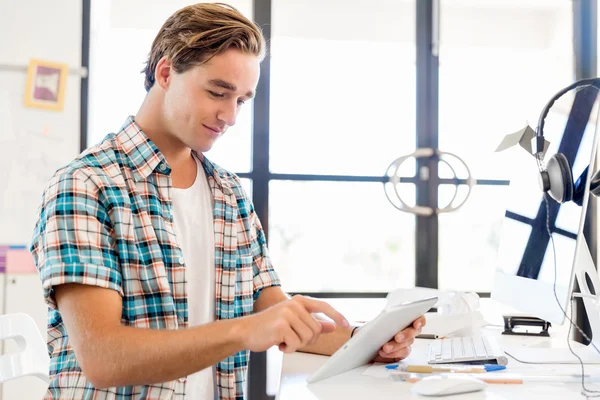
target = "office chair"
x: 32, y: 355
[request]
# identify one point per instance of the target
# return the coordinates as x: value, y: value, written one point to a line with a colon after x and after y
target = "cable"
x: 588, y: 393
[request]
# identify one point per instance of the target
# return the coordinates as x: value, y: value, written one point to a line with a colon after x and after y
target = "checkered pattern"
x: 106, y: 220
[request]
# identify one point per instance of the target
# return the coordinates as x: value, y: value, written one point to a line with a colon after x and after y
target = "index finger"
x: 313, y: 306
x: 419, y: 322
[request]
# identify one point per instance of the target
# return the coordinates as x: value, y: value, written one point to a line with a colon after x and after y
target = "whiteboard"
x: 34, y: 142
x: 33, y: 145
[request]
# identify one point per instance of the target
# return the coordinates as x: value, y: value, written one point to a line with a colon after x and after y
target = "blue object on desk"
x: 493, y: 367
x: 487, y: 367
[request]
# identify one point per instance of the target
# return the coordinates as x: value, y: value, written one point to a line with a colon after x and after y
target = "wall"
x: 33, y: 142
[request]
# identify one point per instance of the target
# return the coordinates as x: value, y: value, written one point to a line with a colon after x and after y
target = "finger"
x: 388, y: 347
x: 327, y: 327
x: 291, y: 342
x: 311, y: 323
x: 301, y: 329
x: 313, y: 305
x: 394, y: 346
x: 400, y: 354
x: 407, y: 333
x: 420, y: 322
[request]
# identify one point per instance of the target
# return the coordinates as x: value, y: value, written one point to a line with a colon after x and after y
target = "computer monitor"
x: 525, y: 269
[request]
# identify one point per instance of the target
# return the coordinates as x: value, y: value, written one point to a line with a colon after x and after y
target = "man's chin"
x: 205, y: 147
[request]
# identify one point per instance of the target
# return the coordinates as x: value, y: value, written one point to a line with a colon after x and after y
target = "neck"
x: 149, y: 118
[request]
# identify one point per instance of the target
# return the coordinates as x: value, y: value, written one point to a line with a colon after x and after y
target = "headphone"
x: 557, y: 177
x: 394, y: 179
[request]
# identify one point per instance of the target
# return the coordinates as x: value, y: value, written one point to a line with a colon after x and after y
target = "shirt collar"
x: 144, y: 157
x: 216, y: 172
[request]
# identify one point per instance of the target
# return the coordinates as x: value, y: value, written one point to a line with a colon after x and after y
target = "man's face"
x: 201, y: 103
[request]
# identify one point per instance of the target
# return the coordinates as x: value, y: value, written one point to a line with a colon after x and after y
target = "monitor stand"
x: 584, y: 265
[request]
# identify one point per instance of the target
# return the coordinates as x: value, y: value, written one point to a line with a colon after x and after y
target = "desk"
x: 297, y: 367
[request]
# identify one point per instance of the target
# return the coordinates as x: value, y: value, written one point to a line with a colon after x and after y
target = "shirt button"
x: 162, y: 167
x: 180, y: 260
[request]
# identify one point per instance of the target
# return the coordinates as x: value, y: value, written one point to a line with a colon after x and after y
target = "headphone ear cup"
x: 560, y: 178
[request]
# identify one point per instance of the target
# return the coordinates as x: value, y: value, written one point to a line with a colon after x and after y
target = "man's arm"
x: 398, y: 348
x: 114, y: 355
x: 325, y: 344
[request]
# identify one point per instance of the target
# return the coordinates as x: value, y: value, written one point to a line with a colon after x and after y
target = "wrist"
x: 240, y: 332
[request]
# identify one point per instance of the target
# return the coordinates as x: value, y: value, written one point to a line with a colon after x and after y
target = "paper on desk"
x: 460, y: 317
x: 378, y: 370
x: 463, y: 324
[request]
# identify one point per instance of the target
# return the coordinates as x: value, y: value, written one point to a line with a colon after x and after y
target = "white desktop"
x: 537, y: 278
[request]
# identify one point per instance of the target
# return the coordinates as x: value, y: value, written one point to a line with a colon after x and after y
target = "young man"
x: 153, y: 261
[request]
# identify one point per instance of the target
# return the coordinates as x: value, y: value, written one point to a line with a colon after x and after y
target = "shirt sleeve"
x: 73, y: 238
x: 264, y: 273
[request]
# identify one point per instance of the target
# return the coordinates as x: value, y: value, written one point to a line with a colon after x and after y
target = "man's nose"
x: 228, y: 114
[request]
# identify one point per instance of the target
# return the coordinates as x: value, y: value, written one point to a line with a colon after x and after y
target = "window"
x: 341, y: 103
x: 499, y: 65
x: 339, y: 237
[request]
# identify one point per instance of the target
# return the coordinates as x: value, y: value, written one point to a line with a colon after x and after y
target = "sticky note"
x: 19, y: 261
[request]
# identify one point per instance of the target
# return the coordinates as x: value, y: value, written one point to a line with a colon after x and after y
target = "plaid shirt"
x: 106, y: 220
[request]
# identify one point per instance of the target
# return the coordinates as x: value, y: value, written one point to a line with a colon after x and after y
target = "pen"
x: 429, y: 369
x: 503, y: 378
x: 487, y: 380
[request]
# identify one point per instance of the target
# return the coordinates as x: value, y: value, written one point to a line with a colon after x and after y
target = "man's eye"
x: 216, y: 95
x: 241, y: 102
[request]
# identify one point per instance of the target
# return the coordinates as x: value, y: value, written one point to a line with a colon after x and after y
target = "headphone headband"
x: 539, y: 133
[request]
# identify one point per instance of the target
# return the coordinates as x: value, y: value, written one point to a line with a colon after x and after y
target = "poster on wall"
x: 46, y: 83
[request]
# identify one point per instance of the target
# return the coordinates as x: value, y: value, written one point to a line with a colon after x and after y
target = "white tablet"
x: 365, y: 344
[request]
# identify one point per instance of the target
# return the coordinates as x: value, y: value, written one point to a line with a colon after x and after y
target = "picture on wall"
x: 46, y: 83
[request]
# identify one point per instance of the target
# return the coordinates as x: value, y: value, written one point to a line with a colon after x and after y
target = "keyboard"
x: 469, y: 349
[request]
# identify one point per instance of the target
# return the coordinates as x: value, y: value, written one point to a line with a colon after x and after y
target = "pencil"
x: 487, y: 380
x: 428, y: 369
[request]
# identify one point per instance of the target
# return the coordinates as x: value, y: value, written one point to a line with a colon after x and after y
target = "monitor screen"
x: 525, y: 264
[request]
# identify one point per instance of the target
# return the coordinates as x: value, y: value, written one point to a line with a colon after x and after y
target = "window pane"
x: 247, y: 185
x: 339, y: 236
x: 499, y: 65
x: 467, y: 259
x: 117, y: 88
x: 342, y: 85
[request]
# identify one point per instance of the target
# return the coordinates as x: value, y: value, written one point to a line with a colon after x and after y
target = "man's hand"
x: 290, y: 325
x: 399, y: 348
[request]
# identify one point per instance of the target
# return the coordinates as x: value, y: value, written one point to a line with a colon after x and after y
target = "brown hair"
x: 197, y: 33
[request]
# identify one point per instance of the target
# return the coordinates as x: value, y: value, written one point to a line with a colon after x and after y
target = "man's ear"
x: 162, y: 73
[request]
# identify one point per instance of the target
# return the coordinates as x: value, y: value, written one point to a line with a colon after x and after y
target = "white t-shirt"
x: 193, y: 219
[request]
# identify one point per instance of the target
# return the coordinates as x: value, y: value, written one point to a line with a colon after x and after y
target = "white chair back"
x: 32, y: 355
